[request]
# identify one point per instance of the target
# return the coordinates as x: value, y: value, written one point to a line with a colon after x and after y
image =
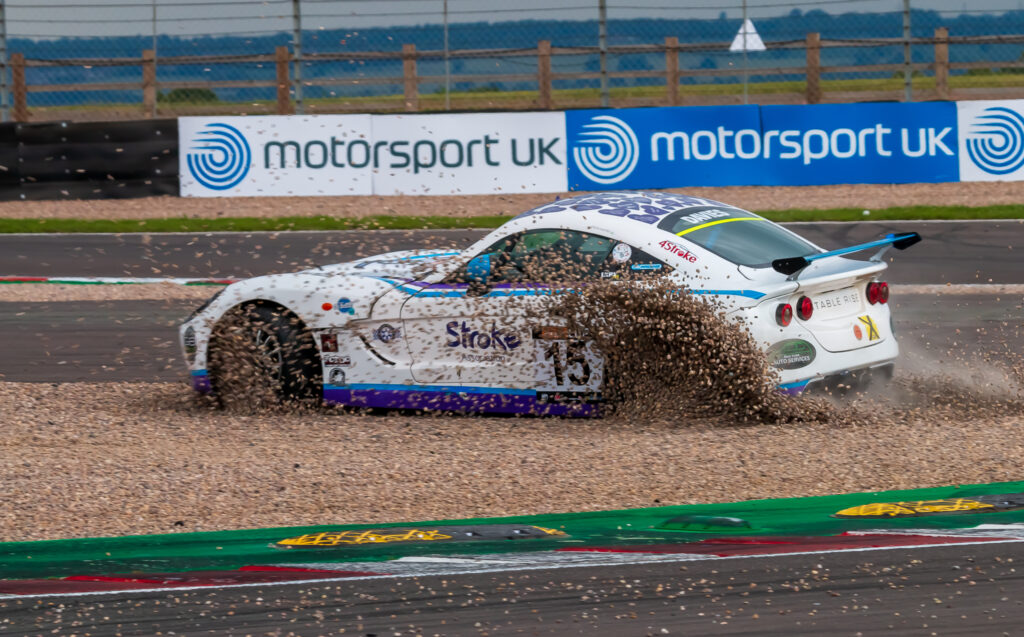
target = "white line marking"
x: 686, y: 557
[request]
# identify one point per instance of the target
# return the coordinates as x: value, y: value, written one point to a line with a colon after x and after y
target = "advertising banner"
x: 372, y: 154
x: 642, y: 148
x: 469, y: 154
x: 761, y: 145
x: 883, y: 143
x: 991, y: 140
x: 275, y: 156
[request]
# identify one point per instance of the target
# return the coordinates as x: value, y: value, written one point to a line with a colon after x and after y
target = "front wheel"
x: 262, y: 356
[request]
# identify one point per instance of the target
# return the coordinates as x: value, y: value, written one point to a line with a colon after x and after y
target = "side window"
x: 539, y: 256
x: 626, y: 261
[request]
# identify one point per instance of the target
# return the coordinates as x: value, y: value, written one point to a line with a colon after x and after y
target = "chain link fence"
x: 118, y: 59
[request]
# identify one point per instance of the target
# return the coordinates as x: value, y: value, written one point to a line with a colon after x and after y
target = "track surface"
x: 955, y: 590
x: 137, y: 340
x: 953, y: 252
x: 948, y: 591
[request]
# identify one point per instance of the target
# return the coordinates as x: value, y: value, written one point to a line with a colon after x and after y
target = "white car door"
x: 489, y: 325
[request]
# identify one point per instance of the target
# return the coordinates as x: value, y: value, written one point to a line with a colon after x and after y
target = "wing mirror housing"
x: 478, y: 270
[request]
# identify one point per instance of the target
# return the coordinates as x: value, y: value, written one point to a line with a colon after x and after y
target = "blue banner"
x: 762, y: 145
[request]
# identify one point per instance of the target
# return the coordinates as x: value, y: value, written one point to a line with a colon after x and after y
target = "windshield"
x: 737, y: 235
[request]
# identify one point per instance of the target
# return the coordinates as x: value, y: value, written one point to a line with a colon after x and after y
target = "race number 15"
x: 569, y: 361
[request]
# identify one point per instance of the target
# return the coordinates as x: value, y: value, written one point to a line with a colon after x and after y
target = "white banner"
x: 313, y: 155
x: 275, y: 156
x: 469, y: 154
x: 991, y: 140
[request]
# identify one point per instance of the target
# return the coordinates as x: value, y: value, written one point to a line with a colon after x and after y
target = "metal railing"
x: 672, y: 85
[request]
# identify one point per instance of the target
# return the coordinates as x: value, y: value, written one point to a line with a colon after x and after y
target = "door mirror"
x: 478, y: 270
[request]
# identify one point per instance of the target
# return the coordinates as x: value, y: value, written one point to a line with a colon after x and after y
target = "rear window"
x: 736, y: 235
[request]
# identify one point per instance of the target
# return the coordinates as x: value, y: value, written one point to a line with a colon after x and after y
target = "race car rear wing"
x: 793, y: 265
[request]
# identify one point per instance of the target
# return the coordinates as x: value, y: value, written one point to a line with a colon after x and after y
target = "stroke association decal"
x: 468, y: 338
x: 679, y: 251
x: 220, y: 157
x: 995, y: 141
x: 607, y: 151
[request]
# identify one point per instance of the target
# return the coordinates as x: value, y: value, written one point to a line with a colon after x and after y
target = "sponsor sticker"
x: 678, y: 250
x: 912, y: 509
x: 869, y: 324
x: 328, y: 342
x: 792, y: 353
x: 336, y: 376
x: 496, y: 339
x: 836, y: 300
x: 337, y: 361
x: 190, y: 341
x: 551, y: 332
x: 387, y: 333
x: 345, y: 306
x: 621, y: 253
x: 407, y: 535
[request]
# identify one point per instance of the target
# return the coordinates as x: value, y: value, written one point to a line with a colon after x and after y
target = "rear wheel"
x: 262, y: 356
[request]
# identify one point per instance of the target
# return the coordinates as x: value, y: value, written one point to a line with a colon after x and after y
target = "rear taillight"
x: 784, y: 314
x: 804, y: 308
x: 878, y: 292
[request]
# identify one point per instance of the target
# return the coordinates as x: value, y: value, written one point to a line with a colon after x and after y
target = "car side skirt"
x: 461, y: 399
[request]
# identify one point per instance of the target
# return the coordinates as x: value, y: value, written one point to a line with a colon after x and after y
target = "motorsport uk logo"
x: 991, y: 140
x: 762, y: 145
x: 219, y: 157
x: 607, y: 150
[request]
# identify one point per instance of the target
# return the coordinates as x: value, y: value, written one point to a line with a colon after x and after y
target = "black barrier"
x: 89, y: 160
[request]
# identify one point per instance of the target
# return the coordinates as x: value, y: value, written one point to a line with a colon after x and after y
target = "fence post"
x: 19, y: 90
x: 672, y: 70
x: 284, y: 100
x: 412, y: 100
x: 544, y: 74
x: 813, y: 94
x: 149, y: 83
x: 942, y: 63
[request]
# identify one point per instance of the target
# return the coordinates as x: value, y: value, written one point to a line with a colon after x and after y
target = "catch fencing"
x: 121, y: 59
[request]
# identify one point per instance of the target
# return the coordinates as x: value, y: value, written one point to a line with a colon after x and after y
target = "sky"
x: 56, y: 18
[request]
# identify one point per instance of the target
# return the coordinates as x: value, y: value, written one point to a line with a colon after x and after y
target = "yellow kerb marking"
x: 715, y: 223
x: 919, y: 507
x: 334, y: 538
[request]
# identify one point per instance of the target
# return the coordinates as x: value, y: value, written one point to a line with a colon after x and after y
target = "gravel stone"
x: 83, y: 459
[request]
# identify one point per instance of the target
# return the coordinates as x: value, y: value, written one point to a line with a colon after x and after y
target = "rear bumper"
x: 843, y: 382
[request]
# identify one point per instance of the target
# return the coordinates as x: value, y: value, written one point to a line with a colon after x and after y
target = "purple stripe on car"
x: 454, y: 401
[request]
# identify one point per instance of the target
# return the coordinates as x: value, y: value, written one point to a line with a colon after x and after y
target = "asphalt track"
x: 953, y: 252
x: 952, y: 590
x: 99, y: 341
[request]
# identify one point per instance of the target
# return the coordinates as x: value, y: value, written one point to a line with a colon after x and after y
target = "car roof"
x: 630, y: 214
x: 639, y: 207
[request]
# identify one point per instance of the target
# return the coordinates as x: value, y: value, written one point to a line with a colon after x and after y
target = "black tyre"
x: 262, y: 356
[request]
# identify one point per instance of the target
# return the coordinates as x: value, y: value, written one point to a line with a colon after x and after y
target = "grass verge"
x: 279, y: 224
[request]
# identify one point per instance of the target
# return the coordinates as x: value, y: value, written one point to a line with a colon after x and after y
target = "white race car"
x: 459, y: 330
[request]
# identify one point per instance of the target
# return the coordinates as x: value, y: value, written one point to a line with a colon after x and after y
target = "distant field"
x: 563, y: 98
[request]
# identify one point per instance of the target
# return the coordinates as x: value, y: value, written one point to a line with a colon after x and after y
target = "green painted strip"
x: 233, y: 549
x: 400, y: 222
